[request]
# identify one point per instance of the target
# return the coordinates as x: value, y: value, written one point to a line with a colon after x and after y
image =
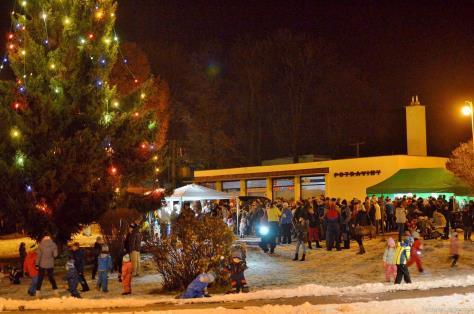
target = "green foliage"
x: 71, y: 136
x: 196, y: 244
x: 461, y: 163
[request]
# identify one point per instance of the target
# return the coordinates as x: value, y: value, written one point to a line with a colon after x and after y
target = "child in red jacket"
x: 30, y: 269
x: 416, y: 248
x: 127, y: 269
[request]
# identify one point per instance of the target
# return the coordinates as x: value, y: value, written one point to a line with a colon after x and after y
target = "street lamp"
x: 468, y: 110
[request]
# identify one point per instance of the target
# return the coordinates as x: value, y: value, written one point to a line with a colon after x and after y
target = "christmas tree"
x: 71, y: 143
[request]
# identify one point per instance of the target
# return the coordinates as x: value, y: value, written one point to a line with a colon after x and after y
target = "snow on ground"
x: 445, y: 304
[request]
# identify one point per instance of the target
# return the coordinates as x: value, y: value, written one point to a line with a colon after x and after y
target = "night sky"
x: 404, y: 49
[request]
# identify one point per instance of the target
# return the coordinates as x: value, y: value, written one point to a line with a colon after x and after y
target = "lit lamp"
x: 468, y: 110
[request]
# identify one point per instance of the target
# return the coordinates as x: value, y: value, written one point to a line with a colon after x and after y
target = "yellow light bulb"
x: 155, y: 158
x: 23, y: 52
x: 44, y: 16
x: 52, y: 66
x: 99, y: 14
x: 67, y: 21
x: 142, y: 95
x: 15, y: 133
x: 107, y: 40
x: 115, y: 104
x: 24, y: 3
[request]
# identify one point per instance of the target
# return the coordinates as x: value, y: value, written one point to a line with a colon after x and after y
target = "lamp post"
x: 468, y: 110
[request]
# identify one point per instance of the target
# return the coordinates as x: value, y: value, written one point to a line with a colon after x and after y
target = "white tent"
x: 194, y: 192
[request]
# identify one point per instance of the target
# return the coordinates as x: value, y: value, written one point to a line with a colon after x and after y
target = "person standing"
x: 78, y: 257
x: 314, y: 225
x: 22, y: 253
x: 416, y: 252
x: 401, y: 258
x: 273, y: 216
x: 127, y: 270
x: 135, y: 243
x: 96, y: 251
x: 361, y: 222
x: 401, y: 216
x: 29, y: 267
x: 378, y: 217
x: 286, y: 221
x: 103, y: 268
x: 345, y: 224
x: 390, y: 213
x: 47, y: 252
x: 333, y: 220
x: 467, y: 220
x: 301, y: 232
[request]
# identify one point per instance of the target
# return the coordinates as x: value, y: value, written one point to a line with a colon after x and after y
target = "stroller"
x: 427, y: 229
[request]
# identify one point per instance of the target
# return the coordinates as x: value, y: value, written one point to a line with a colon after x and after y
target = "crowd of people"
x: 338, y: 221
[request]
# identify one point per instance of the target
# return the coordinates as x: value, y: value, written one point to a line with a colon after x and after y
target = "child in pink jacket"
x: 389, y: 260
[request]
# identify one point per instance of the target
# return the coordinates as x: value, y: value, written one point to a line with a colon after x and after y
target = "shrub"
x: 195, y: 245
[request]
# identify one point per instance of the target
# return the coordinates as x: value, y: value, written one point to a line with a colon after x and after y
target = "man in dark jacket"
x: 78, y: 256
x: 135, y: 243
x: 345, y: 224
x: 96, y: 251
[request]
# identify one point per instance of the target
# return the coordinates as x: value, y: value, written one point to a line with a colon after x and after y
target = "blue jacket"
x: 196, y: 289
x: 104, y: 262
x: 286, y: 216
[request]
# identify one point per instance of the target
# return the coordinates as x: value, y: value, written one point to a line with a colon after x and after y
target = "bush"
x: 196, y: 245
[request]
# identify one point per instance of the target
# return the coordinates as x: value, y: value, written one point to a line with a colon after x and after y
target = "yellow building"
x: 345, y: 178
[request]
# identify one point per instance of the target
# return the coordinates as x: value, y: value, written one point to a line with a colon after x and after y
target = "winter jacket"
x: 438, y: 219
x: 197, y: 288
x: 332, y: 217
x: 402, y: 254
x: 286, y: 216
x: 454, y: 246
x: 467, y: 219
x: 313, y: 219
x: 29, y: 266
x: 378, y: 212
x: 135, y: 240
x: 389, y: 255
x: 47, y: 252
x: 301, y: 230
x: 401, y: 215
x: 104, y: 262
x: 362, y: 219
x: 390, y: 210
x: 273, y: 214
x: 78, y: 257
x: 346, y: 215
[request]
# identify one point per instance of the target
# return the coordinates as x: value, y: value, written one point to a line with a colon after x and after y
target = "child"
x: 243, y: 225
x: 127, y: 269
x: 104, y: 265
x: 72, y: 278
x: 454, y: 248
x: 301, y: 231
x: 22, y: 253
x: 198, y: 287
x: 389, y: 260
x: 236, y: 269
x: 415, y: 256
x: 402, y: 255
x: 30, y: 269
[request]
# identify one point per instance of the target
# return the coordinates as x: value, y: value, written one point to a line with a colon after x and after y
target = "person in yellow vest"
x: 273, y: 216
x: 402, y: 256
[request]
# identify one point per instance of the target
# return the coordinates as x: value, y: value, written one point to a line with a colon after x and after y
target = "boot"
x: 309, y: 245
x: 317, y: 245
x: 296, y: 257
x: 302, y: 257
x: 361, y: 250
x: 347, y: 244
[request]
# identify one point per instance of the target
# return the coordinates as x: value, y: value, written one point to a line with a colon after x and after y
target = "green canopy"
x: 421, y: 180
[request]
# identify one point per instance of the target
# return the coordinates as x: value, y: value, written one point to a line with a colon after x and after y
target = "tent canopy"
x: 194, y: 192
x: 421, y: 180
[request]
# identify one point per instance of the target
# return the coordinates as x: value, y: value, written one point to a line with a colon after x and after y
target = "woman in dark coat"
x: 362, y: 220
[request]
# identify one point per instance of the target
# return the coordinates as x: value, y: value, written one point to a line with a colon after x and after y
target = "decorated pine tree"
x: 71, y: 143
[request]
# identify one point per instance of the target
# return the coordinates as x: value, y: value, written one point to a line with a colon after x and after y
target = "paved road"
x: 410, y: 294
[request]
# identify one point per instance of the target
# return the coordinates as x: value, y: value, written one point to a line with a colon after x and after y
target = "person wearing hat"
x: 72, y: 278
x: 236, y: 268
x: 402, y: 256
x: 29, y: 267
x: 135, y: 243
x: 103, y: 268
x: 126, y: 274
x: 47, y: 252
x: 346, y: 216
x: 96, y: 251
x: 198, y: 287
x: 78, y: 256
x: 415, y: 256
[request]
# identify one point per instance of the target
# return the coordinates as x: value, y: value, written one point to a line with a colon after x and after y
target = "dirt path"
x: 320, y: 300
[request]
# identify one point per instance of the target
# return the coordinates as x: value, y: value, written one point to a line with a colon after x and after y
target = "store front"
x: 256, y: 187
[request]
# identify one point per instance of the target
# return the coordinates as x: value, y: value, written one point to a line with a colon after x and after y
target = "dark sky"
x: 404, y: 49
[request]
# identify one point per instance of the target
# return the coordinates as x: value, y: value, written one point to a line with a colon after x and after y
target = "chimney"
x: 416, y: 128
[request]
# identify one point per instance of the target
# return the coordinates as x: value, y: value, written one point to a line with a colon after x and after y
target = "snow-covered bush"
x: 195, y: 245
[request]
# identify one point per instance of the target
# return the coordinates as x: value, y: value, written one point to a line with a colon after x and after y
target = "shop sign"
x: 357, y: 173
